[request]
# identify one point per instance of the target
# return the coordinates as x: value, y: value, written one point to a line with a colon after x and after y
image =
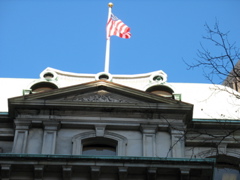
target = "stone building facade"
x: 86, y: 126
x: 233, y: 78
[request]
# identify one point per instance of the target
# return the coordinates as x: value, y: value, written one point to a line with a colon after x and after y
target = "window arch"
x: 226, y: 174
x: 88, y: 141
x: 227, y: 167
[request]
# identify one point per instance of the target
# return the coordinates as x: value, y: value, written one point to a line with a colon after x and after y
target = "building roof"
x: 210, y: 101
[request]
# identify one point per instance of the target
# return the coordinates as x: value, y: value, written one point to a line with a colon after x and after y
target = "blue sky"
x: 69, y: 35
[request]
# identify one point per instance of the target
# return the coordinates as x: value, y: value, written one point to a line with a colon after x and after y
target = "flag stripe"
x: 117, y: 28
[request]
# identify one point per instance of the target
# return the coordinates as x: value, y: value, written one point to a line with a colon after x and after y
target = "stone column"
x: 149, y: 140
x: 177, y: 143
x: 21, y: 136
x: 49, y: 137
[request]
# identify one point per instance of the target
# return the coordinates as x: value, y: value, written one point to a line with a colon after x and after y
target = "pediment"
x: 97, y: 94
x: 96, y: 91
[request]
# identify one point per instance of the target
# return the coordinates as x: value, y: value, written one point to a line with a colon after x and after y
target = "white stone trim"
x: 103, y: 73
x: 162, y: 74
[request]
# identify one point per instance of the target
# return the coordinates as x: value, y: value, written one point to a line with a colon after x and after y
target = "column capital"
x: 176, y: 132
x: 51, y: 126
x: 22, y: 124
x: 148, y: 128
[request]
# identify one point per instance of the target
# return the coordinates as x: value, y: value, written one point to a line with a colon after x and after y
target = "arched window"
x: 226, y: 174
x: 227, y: 168
x: 88, y: 143
x: 99, y: 146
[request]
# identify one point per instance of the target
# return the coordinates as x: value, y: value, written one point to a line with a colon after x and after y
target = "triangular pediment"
x: 96, y: 91
x: 97, y: 94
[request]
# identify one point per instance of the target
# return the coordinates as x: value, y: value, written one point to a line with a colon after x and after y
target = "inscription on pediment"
x: 100, y: 96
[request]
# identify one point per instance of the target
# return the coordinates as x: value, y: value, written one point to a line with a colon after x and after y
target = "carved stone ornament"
x: 100, y: 96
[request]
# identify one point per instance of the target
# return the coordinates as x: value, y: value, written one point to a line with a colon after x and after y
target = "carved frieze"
x: 100, y: 96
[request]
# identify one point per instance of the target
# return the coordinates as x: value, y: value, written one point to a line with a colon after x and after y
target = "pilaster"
x: 49, y: 137
x: 149, y: 140
x: 177, y: 143
x: 21, y: 136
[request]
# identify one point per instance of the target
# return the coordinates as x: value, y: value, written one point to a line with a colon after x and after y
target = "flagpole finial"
x: 110, y: 5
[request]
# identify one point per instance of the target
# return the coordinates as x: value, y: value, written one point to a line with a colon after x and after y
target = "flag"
x: 116, y: 27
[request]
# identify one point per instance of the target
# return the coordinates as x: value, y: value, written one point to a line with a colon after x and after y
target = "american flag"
x: 116, y: 27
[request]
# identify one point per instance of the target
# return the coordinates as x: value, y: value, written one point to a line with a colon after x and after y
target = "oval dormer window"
x: 42, y: 87
x: 48, y: 75
x: 103, y: 76
x: 161, y: 91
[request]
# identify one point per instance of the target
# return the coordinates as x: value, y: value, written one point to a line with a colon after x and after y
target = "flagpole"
x: 107, y: 55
